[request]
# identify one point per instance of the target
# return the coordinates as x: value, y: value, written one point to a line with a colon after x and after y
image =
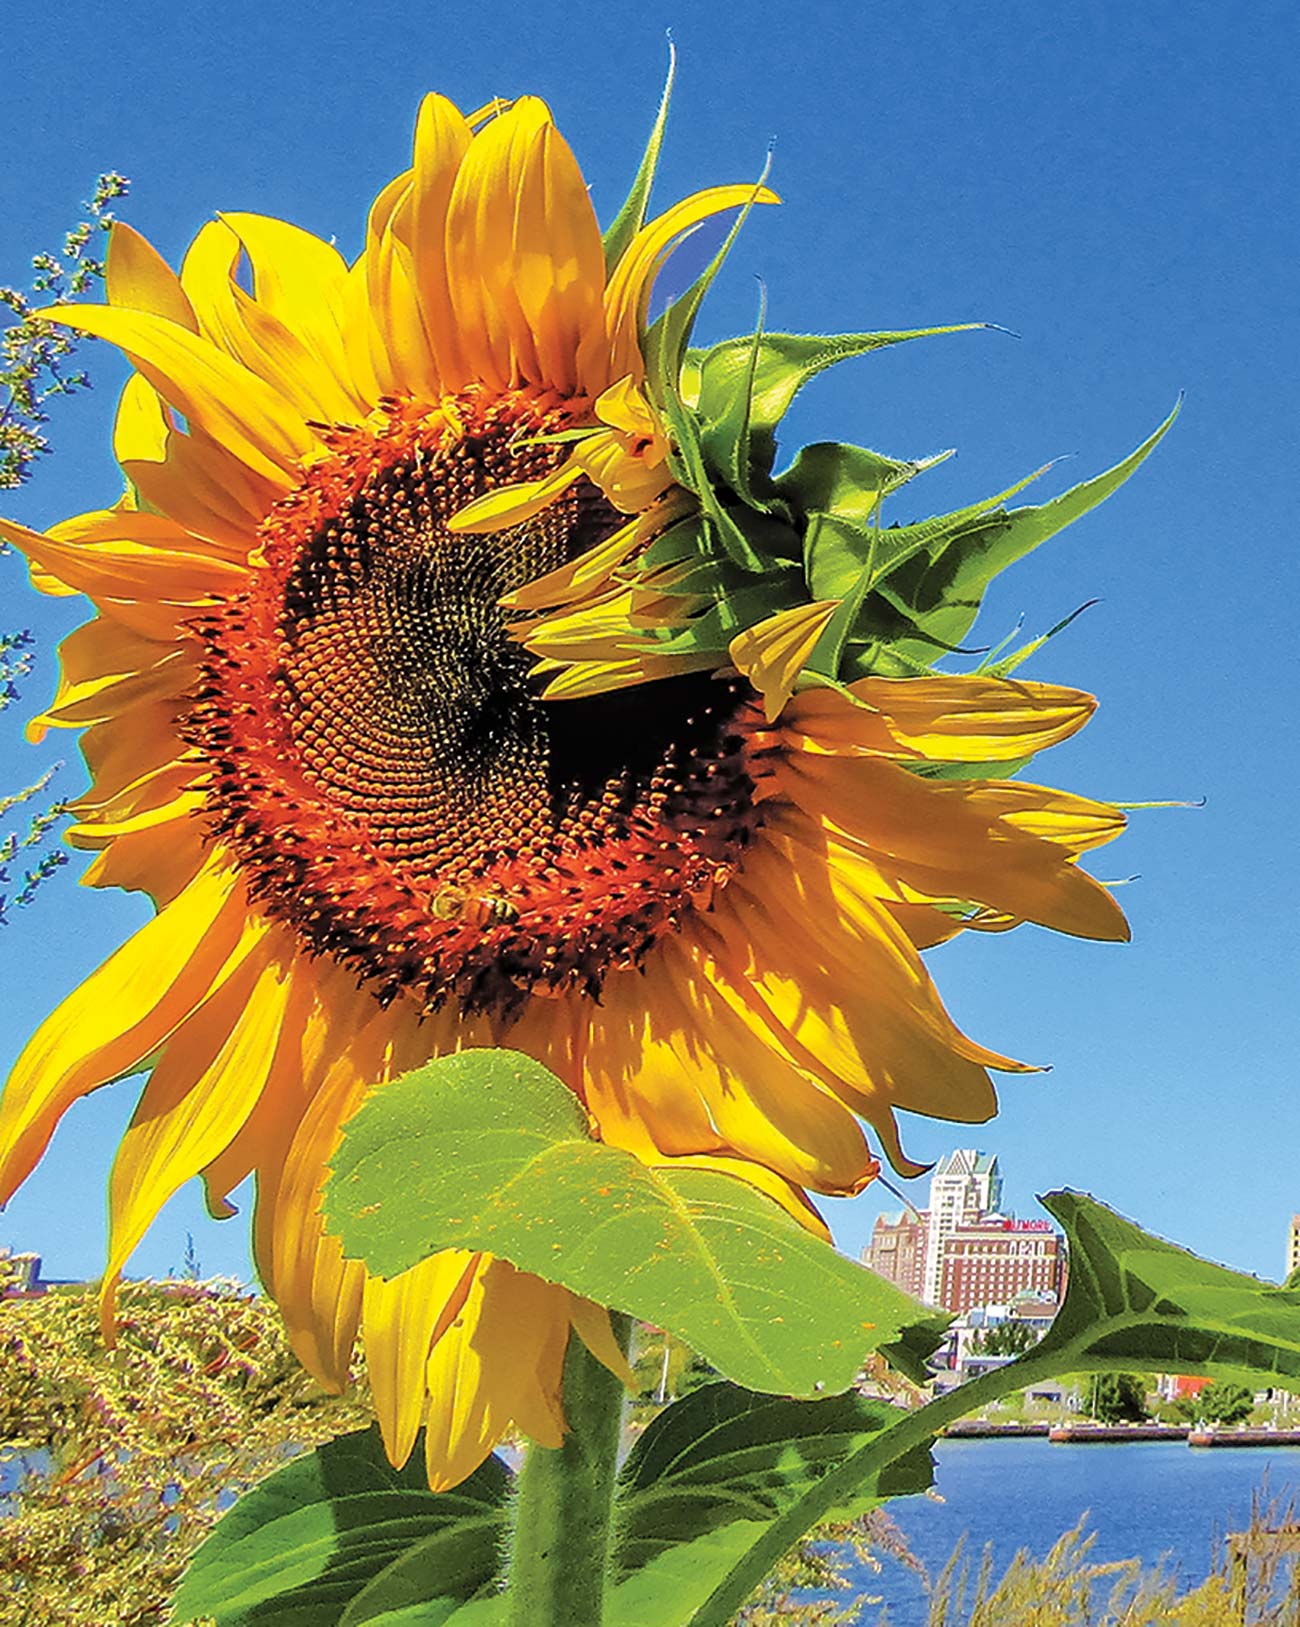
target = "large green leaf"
x: 488, y: 1150
x: 1136, y: 1301
x: 712, y: 1472
x: 330, y: 1541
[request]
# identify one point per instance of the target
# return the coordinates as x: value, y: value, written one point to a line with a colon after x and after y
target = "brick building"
x: 993, y: 1260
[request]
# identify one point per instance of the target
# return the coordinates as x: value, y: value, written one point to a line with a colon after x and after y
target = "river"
x: 1157, y: 1499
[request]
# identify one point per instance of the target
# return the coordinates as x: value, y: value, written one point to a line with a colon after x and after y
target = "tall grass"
x: 1254, y: 1583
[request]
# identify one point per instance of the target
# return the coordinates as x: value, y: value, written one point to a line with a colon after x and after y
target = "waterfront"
x: 1152, y: 1499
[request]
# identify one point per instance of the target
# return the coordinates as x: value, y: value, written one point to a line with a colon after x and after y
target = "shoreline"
x: 986, y: 1429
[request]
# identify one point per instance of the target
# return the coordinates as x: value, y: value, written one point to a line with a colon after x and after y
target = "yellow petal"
x: 138, y: 278
x: 629, y: 287
x: 1073, y: 822
x: 590, y: 572
x: 328, y: 1012
x: 241, y: 412
x: 442, y: 138
x: 599, y: 677
x: 773, y: 653
x: 512, y: 505
x: 524, y: 257
x: 944, y: 718
x: 678, y: 1068
x: 118, y: 554
x: 319, y: 1292
x: 211, y: 1074
x: 401, y: 1321
x: 939, y: 839
x: 630, y: 482
x: 397, y: 309
x: 252, y: 335
x: 188, y: 477
x: 495, y: 1361
x: 591, y: 1322
x: 300, y: 280
x: 119, y: 1016
x: 106, y: 672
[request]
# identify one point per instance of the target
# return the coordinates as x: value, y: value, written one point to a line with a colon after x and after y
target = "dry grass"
x: 1258, y: 1587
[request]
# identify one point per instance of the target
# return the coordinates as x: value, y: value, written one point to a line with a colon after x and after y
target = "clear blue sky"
x: 1114, y: 183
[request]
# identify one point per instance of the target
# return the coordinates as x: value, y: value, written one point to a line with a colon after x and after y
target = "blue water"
x: 1149, y: 1499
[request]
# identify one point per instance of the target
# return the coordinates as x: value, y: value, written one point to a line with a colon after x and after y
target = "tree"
x: 1008, y: 1339
x: 1224, y: 1402
x: 33, y: 368
x: 1118, y: 1398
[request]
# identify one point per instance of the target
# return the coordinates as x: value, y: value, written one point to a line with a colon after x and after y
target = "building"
x: 897, y: 1250
x: 963, y: 1252
x: 20, y: 1275
x: 995, y: 1259
x: 965, y: 1186
x: 1293, y: 1246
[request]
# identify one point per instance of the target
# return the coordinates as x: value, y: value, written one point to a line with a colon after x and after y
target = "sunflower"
x: 462, y: 675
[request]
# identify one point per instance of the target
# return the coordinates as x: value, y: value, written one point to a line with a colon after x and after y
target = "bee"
x: 482, y: 910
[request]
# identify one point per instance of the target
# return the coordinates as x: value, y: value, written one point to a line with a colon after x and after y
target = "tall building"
x: 965, y: 1186
x: 962, y: 1252
x: 1293, y: 1246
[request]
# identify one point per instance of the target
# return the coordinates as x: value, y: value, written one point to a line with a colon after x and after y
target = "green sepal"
x: 631, y: 217
x: 839, y: 546
x: 1002, y: 666
x: 1007, y: 769
x: 488, y: 1150
x: 850, y: 481
x: 339, y: 1538
x: 943, y: 586
x: 712, y: 1472
x: 918, y: 588
x: 746, y: 385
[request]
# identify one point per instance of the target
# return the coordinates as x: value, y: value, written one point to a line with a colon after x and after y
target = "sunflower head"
x: 466, y: 668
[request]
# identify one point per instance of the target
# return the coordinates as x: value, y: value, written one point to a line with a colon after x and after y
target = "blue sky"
x: 1116, y: 185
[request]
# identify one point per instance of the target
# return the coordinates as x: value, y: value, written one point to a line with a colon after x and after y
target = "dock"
x: 1111, y: 1433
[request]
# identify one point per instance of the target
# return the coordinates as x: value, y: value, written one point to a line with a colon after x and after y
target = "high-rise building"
x: 1293, y: 1246
x: 965, y: 1186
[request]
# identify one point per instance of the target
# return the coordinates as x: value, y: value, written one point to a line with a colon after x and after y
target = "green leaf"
x: 1136, y: 1301
x: 631, y: 217
x: 312, y: 1545
x: 488, y: 1150
x: 712, y: 1472
x: 747, y: 385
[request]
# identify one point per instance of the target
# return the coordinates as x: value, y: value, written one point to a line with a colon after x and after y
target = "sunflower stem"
x: 560, y: 1548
